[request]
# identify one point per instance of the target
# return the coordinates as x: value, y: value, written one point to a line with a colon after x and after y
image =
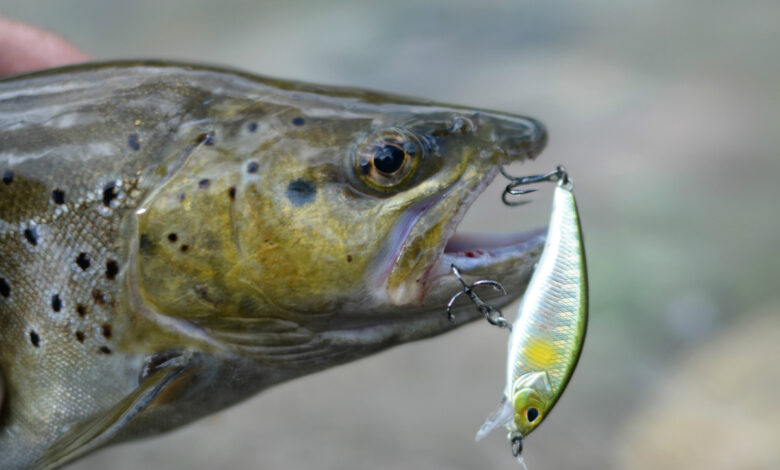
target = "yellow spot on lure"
x: 549, y: 330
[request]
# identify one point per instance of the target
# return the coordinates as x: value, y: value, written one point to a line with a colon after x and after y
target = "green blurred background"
x: 667, y: 114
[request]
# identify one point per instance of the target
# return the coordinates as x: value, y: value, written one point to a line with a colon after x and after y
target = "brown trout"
x: 176, y: 238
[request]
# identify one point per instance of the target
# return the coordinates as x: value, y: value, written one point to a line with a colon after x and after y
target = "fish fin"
x: 88, y: 436
x: 501, y: 416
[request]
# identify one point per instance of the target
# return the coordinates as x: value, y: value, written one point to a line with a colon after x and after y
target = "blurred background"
x: 667, y: 114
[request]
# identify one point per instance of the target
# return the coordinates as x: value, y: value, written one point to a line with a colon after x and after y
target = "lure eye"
x: 388, y: 159
x: 532, y: 414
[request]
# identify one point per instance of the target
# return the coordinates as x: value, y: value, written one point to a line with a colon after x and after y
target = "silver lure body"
x: 549, y: 331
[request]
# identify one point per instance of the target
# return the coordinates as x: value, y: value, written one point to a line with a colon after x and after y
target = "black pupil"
x: 532, y: 414
x: 389, y: 159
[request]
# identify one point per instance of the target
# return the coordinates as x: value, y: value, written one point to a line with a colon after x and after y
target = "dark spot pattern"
x: 82, y: 260
x: 252, y: 126
x: 301, y: 192
x: 252, y: 167
x: 5, y: 288
x: 81, y: 310
x: 34, y: 338
x: 106, y: 330
x: 134, y: 142
x: 31, y: 235
x: 56, y: 303
x: 204, y: 183
x: 80, y: 336
x: 112, y: 269
x: 58, y: 196
x: 298, y: 121
x: 8, y: 177
x: 104, y: 350
x: 349, y: 258
x: 172, y: 237
x: 97, y: 295
x: 232, y: 193
x: 110, y: 192
x: 184, y: 248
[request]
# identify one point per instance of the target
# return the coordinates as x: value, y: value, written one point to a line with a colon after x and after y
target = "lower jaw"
x: 507, y: 259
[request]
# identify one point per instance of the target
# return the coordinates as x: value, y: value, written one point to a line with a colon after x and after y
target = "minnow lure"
x: 548, y: 333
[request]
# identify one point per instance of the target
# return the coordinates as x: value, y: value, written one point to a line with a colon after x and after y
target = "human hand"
x: 24, y: 48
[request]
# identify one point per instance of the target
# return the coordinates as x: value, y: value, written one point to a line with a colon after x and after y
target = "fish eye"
x: 532, y: 414
x: 388, y: 159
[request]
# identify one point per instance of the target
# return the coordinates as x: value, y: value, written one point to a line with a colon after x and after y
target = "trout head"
x: 318, y: 226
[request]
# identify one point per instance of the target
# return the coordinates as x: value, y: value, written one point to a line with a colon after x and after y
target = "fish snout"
x: 519, y: 137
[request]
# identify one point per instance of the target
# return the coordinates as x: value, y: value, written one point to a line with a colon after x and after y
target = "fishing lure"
x: 547, y: 336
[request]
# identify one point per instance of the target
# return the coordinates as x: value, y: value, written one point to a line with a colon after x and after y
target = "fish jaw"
x: 420, y: 272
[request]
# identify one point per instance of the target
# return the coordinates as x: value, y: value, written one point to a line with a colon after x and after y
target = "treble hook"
x: 558, y: 175
x: 492, y: 314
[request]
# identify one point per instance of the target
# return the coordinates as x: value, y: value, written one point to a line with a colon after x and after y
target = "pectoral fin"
x: 90, y: 435
x: 501, y: 416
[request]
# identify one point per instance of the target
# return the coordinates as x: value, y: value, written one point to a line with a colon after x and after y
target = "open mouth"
x: 508, y: 258
x: 477, y: 253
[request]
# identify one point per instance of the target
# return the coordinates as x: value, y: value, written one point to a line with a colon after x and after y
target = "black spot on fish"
x: 232, y: 193
x: 145, y: 244
x: 58, y: 196
x: 252, y: 126
x: 81, y: 310
x: 56, y: 303
x: 112, y: 269
x: 82, y: 260
x: 301, y: 192
x: 204, y: 183
x: 134, y: 142
x: 349, y: 258
x: 172, y: 237
x: 252, y: 167
x: 181, y: 197
x: 31, y: 234
x: 97, y: 294
x: 110, y: 192
x: 184, y: 248
x: 8, y: 177
x: 5, y: 288
x: 299, y: 121
x: 80, y: 336
x: 34, y: 338
x: 206, y: 138
x: 106, y: 330
x: 104, y: 350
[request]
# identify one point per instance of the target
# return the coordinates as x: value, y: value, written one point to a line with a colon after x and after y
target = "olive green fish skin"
x: 175, y: 238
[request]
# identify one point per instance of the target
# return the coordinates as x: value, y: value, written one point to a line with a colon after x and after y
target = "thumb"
x: 24, y: 48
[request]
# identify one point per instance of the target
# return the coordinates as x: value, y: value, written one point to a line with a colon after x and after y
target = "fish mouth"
x: 507, y: 258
